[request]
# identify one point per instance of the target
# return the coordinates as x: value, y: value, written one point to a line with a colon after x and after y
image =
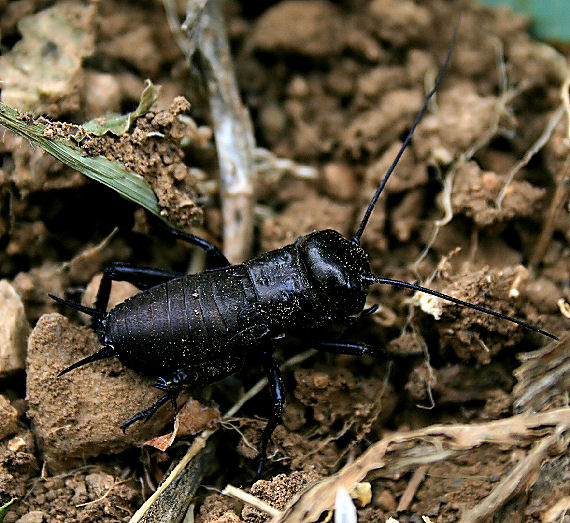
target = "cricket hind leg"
x: 215, y: 259
x: 141, y: 277
x: 147, y: 277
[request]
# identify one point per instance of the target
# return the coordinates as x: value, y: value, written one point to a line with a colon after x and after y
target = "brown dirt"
x: 335, y: 87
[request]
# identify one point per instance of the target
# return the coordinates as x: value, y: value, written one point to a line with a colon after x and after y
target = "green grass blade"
x: 119, y: 124
x: 4, y: 509
x: 130, y: 185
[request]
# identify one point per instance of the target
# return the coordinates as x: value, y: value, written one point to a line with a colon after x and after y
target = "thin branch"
x: 233, y: 131
x: 203, y: 32
x: 534, y: 148
x: 416, y: 480
x: 395, y: 453
x: 565, y: 95
x: 522, y: 477
x: 561, y: 195
x: 101, y: 498
x: 562, y: 191
x: 197, y: 445
x: 259, y: 504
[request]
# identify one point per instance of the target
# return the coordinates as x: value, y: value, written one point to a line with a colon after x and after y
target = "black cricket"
x: 189, y: 330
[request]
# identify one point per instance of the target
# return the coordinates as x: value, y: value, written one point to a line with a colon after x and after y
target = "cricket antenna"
x: 421, y: 112
x: 373, y: 279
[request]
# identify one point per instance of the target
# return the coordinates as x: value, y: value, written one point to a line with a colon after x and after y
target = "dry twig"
x: 417, y: 477
x: 436, y: 443
x: 204, y: 31
x: 259, y: 504
x: 522, y: 477
x: 560, y: 197
x: 541, y: 141
x: 543, y: 376
x: 233, y: 131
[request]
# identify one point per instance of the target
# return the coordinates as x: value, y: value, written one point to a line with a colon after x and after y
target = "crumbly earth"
x: 335, y: 86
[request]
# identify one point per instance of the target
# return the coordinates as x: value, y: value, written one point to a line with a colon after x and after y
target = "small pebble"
x: 340, y: 181
x: 36, y: 516
x: 14, y: 330
x: 386, y: 500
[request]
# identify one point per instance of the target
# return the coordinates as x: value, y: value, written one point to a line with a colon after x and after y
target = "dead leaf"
x: 192, y: 418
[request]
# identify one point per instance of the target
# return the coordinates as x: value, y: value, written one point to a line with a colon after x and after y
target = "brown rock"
x: 79, y: 415
x: 14, y: 330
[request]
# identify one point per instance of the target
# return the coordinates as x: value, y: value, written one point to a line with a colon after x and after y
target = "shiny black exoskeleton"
x: 188, y: 330
x: 203, y: 325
